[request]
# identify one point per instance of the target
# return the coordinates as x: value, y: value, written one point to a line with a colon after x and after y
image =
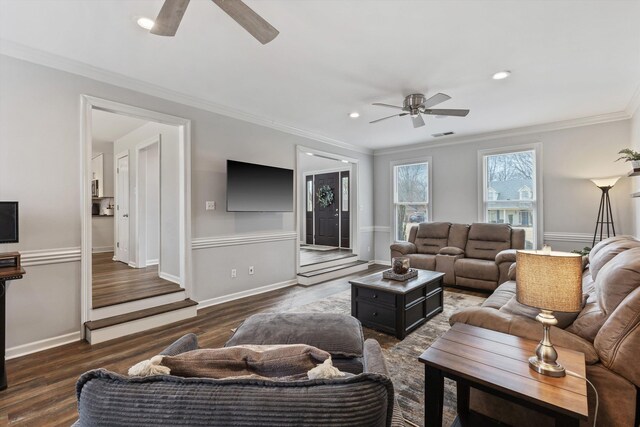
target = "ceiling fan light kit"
x: 417, y: 104
x: 172, y: 11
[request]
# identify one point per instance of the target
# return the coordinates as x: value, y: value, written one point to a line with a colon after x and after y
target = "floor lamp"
x: 605, y: 216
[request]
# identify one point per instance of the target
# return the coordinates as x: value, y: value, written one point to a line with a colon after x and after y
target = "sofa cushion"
x: 607, y: 249
x: 270, y: 361
x: 564, y: 318
x: 422, y: 261
x: 617, y: 279
x: 339, y: 334
x: 431, y: 237
x: 458, y: 235
x: 477, y: 269
x: 501, y: 295
x: 486, y: 240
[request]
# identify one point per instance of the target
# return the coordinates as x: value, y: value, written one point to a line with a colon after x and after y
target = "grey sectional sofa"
x: 474, y: 256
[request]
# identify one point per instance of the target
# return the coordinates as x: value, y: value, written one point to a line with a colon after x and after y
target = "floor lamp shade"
x: 551, y: 281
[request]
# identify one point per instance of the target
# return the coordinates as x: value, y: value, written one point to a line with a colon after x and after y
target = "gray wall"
x: 570, y: 200
x: 40, y: 167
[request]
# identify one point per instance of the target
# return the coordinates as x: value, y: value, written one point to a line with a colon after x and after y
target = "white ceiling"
x: 107, y: 126
x: 570, y: 59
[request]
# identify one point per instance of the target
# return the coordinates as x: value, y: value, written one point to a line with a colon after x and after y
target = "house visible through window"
x: 509, y: 191
x: 410, y: 197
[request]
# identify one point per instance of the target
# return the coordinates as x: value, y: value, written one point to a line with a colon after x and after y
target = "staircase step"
x: 98, y: 331
x: 339, y: 260
x: 328, y: 273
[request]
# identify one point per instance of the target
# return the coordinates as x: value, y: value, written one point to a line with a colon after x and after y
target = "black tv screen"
x: 8, y: 222
x: 258, y: 188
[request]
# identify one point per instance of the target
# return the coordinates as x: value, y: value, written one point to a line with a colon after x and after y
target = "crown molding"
x: 526, y: 130
x: 47, y: 59
x: 633, y: 107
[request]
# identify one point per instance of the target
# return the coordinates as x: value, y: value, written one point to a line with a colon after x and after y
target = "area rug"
x: 406, y: 371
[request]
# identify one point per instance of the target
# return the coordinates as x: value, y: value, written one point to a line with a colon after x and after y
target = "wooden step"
x: 339, y: 260
x: 329, y: 273
x: 98, y: 331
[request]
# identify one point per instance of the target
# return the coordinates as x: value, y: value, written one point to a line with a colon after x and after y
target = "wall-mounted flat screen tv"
x: 8, y: 222
x: 258, y: 188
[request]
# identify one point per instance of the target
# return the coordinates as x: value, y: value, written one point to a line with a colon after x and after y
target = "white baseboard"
x: 226, y: 298
x: 102, y: 249
x: 34, y: 347
x: 152, y: 262
x: 169, y: 277
x: 132, y: 264
x: 382, y: 262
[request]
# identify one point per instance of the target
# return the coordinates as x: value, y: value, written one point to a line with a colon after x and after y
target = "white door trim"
x: 117, y: 202
x: 354, y: 204
x: 140, y: 255
x: 87, y: 104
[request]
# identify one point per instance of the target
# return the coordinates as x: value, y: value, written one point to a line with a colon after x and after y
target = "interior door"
x: 327, y: 219
x: 345, y: 214
x: 308, y: 207
x: 122, y: 209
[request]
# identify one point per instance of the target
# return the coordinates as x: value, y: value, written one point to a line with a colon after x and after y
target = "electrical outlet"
x: 210, y: 206
x: 251, y: 271
x: 234, y: 273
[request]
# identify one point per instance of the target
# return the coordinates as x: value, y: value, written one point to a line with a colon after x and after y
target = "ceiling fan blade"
x: 385, y: 118
x: 418, y: 121
x: 435, y: 100
x: 443, y: 112
x: 379, y: 104
x: 248, y: 19
x: 168, y: 20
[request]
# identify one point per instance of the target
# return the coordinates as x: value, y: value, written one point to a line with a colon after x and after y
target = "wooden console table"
x: 6, y: 274
x: 497, y: 364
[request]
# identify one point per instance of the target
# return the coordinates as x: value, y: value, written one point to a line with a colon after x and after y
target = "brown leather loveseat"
x: 473, y: 256
x: 607, y: 331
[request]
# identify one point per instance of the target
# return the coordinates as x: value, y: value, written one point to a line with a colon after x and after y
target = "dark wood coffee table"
x: 497, y: 363
x: 396, y: 307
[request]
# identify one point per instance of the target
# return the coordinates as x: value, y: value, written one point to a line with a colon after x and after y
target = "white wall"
x: 570, y: 201
x: 635, y: 181
x: 102, y: 227
x: 40, y: 126
x: 169, y: 189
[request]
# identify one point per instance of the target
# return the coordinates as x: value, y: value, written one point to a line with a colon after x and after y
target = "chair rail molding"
x: 49, y: 256
x: 241, y: 239
x: 555, y: 236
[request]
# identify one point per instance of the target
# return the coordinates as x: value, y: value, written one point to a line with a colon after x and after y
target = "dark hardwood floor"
x: 115, y: 282
x: 42, y: 385
x: 310, y: 256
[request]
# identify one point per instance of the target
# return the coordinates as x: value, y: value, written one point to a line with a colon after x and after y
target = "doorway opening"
x: 327, y: 206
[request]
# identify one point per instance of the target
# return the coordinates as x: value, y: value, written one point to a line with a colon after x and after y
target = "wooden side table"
x: 497, y: 364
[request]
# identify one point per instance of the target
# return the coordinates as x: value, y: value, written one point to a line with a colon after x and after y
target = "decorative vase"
x: 400, y: 265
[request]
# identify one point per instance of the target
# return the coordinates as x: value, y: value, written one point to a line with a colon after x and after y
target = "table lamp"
x: 550, y: 281
x: 605, y: 216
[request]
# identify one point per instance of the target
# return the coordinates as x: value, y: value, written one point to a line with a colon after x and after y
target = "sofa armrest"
x: 186, y: 343
x: 451, y: 250
x: 490, y: 318
x: 512, y: 272
x: 373, y: 359
x: 404, y: 248
x: 508, y: 255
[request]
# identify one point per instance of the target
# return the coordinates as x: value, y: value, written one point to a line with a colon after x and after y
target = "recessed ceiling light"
x: 145, y: 23
x: 501, y: 75
x: 354, y: 115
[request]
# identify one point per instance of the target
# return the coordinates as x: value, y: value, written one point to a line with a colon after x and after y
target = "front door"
x: 122, y: 209
x: 327, y: 218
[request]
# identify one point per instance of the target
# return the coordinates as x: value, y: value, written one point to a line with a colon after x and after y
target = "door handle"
x: 336, y: 215
x: 125, y: 216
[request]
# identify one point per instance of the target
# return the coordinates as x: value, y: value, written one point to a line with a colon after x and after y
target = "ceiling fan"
x: 171, y: 13
x: 417, y: 104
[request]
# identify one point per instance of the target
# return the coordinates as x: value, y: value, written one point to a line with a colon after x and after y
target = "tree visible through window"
x: 509, y: 191
x: 411, y: 197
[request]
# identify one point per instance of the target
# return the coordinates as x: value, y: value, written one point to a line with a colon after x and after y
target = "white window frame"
x: 393, y: 164
x: 538, y: 220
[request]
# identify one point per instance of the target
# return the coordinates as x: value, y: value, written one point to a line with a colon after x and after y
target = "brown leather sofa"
x: 472, y: 256
x: 607, y: 331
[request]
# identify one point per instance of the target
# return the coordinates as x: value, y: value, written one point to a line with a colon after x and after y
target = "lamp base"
x: 544, y: 368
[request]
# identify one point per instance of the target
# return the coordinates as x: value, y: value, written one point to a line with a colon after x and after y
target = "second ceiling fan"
x: 172, y: 11
x: 417, y: 104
